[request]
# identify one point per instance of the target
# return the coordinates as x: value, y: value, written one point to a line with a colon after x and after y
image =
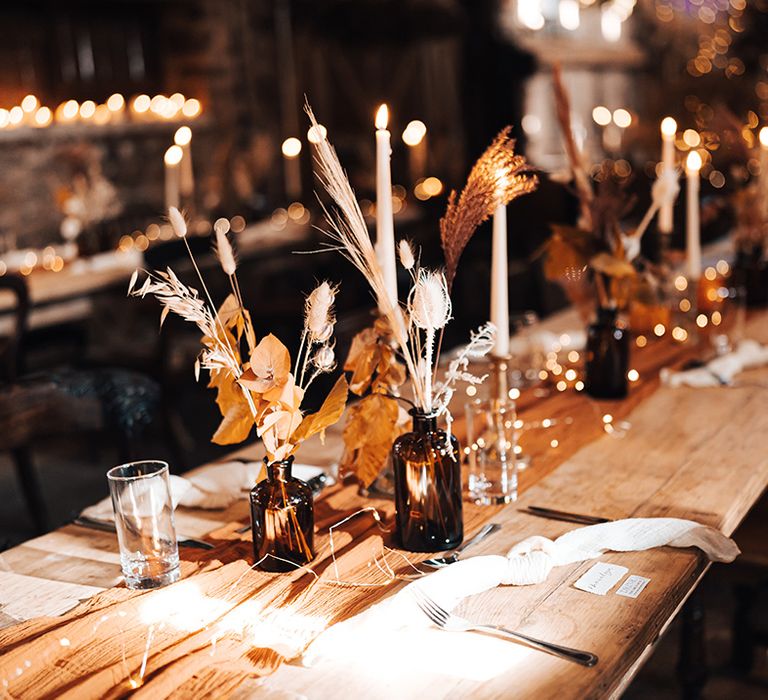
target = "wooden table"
x: 693, y: 453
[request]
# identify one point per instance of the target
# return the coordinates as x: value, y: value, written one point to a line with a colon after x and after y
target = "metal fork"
x: 448, y: 621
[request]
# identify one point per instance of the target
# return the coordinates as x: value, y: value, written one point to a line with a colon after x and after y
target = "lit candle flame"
x: 414, y: 132
x: 183, y: 136
x: 173, y: 155
x: 668, y: 126
x: 291, y: 147
x: 764, y: 137
x: 693, y: 162
x: 382, y: 117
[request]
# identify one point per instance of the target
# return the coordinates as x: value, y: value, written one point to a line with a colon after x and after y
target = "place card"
x: 633, y: 586
x: 601, y: 578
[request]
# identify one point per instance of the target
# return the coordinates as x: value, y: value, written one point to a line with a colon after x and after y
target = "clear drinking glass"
x: 727, y: 318
x: 493, y: 459
x: 141, y: 498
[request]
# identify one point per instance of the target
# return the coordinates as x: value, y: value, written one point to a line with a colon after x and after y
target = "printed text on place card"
x: 601, y: 578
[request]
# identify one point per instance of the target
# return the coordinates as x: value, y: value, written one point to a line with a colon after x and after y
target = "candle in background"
x: 173, y: 158
x: 415, y: 137
x: 183, y: 139
x: 499, y: 282
x: 693, y: 232
x: 291, y: 149
x: 29, y: 106
x: 116, y: 107
x: 764, y: 172
x: 315, y: 135
x: 668, y: 130
x: 385, y: 224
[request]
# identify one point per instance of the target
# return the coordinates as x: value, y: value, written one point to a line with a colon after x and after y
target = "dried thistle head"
x: 498, y: 177
x: 429, y: 302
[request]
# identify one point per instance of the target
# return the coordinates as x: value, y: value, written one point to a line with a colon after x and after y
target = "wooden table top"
x: 692, y: 453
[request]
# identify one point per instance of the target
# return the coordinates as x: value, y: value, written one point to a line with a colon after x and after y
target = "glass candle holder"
x: 141, y: 498
x: 493, y: 459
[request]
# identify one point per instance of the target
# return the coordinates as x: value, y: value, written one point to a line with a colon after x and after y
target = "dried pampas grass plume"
x: 350, y: 232
x: 498, y: 177
x: 178, y: 222
x: 580, y: 177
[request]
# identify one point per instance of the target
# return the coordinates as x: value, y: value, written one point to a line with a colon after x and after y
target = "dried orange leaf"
x: 235, y: 427
x: 271, y: 365
x: 329, y: 413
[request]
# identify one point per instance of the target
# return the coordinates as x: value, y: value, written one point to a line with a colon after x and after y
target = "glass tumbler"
x: 727, y: 318
x: 493, y: 459
x: 141, y: 498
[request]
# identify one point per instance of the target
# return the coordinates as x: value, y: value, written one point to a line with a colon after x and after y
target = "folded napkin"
x: 212, y: 487
x: 528, y: 562
x: 721, y: 370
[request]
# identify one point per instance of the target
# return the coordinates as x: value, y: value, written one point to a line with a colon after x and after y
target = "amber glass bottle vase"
x: 282, y: 519
x: 607, y: 356
x: 427, y: 470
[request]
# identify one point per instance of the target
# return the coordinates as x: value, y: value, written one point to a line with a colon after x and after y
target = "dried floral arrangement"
x: 751, y: 231
x: 740, y: 143
x: 256, y: 383
x: 411, y: 333
x: 598, y: 248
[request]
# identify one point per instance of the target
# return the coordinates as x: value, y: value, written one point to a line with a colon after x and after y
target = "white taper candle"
x: 668, y: 130
x: 693, y: 226
x: 173, y: 158
x: 764, y: 172
x: 499, y: 283
x: 385, y: 224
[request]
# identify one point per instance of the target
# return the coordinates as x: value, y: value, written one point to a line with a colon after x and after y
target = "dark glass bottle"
x: 750, y: 270
x: 427, y: 487
x: 607, y: 356
x: 282, y: 519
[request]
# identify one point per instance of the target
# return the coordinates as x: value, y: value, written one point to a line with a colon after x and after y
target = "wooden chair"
x: 66, y: 401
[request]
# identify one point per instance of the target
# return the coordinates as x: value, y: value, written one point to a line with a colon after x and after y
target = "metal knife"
x: 106, y: 526
x: 563, y: 515
x: 316, y: 484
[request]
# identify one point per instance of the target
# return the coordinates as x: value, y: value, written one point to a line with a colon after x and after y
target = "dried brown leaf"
x: 369, y: 432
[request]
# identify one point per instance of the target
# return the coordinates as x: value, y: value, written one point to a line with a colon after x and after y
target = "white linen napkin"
x: 528, y: 562
x: 212, y: 487
x: 722, y: 369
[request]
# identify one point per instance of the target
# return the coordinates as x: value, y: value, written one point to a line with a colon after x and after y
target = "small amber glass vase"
x: 607, y: 356
x: 427, y: 469
x: 282, y: 519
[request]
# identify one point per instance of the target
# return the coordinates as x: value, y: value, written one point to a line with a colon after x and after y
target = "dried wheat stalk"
x: 580, y: 177
x: 498, y: 177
